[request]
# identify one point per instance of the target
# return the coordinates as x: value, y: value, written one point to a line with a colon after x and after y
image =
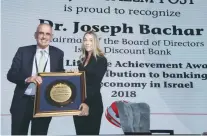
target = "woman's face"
x: 88, y: 41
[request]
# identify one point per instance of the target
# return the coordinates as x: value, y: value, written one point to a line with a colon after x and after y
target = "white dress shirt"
x: 31, y: 89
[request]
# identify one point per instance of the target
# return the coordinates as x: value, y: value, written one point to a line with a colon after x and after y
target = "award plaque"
x: 60, y: 94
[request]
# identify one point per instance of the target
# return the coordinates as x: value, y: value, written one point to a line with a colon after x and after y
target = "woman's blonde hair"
x: 96, y: 47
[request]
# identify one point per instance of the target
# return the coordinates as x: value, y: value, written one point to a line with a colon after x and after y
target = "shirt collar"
x: 46, y: 49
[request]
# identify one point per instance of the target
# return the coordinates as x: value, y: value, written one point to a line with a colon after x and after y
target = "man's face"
x: 43, y: 35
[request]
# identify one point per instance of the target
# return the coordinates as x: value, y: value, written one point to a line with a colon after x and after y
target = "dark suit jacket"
x: 95, y: 70
x: 21, y: 69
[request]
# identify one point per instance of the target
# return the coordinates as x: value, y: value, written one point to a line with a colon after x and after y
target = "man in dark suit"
x: 27, y: 62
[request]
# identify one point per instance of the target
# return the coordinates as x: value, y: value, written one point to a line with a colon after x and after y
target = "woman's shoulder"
x: 102, y: 58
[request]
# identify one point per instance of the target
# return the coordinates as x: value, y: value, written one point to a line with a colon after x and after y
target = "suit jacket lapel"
x: 30, y: 57
x: 52, y: 57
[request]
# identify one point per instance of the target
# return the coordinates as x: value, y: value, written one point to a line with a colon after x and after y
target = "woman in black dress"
x: 94, y: 63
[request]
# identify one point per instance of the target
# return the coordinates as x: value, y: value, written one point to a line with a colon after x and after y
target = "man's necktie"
x: 42, y: 61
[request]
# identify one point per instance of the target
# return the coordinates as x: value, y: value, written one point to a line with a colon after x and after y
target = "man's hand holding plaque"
x: 34, y: 79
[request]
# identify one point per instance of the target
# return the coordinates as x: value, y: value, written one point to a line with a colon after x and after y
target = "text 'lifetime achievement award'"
x: 60, y: 94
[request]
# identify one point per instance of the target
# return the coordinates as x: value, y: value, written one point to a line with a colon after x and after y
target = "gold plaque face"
x: 61, y: 93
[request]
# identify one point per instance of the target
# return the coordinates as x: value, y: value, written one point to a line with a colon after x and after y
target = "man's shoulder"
x: 56, y: 49
x: 27, y: 47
